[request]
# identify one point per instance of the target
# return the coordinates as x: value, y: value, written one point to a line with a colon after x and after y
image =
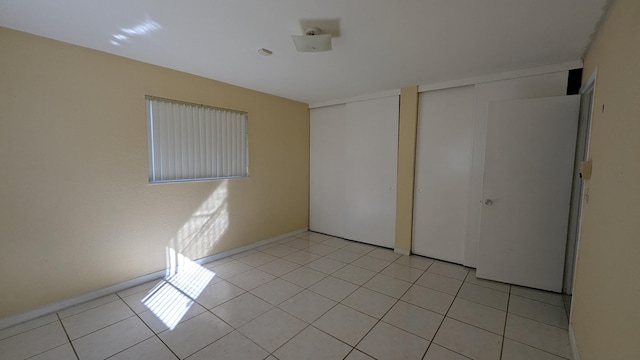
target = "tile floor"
x: 312, y: 297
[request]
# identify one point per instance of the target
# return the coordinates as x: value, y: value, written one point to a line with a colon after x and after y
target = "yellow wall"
x: 408, y: 126
x: 76, y: 210
x: 606, y: 315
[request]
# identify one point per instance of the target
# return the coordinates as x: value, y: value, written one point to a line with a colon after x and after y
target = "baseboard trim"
x: 55, y: 307
x: 572, y: 342
x: 402, y: 251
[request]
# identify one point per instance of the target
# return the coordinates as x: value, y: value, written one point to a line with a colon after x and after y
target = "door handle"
x: 488, y: 202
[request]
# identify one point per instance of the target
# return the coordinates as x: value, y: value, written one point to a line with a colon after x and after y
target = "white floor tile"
x: 326, y: 265
x: 370, y: 263
x: 304, y: 276
x: 359, y: 248
x: 33, y: 342
x: 333, y: 288
x: 279, y: 267
x: 487, y: 283
x: 233, y: 346
x: 244, y: 253
x: 414, y: 319
x: 313, y: 344
x: 402, y: 272
x: 307, y: 306
x: 354, y: 274
x: 230, y: 268
x: 437, y: 352
x: 315, y: 237
x: 369, y: 302
x: 29, y: 325
x: 241, y: 310
x: 218, y: 293
x: 320, y: 249
x: 384, y: 254
x: 468, y: 340
x: 87, y: 306
x: 479, y: 315
x: 299, y: 243
x: 542, y: 336
x: 280, y: 250
x: 344, y: 256
x: 301, y: 257
x: 283, y: 297
x: 257, y: 259
x: 387, y: 285
x: 539, y: 295
x: 272, y: 329
x: 513, y: 350
x: 345, y: 324
x: 485, y: 296
x: 157, y: 326
x: 336, y: 242
x: 539, y: 311
x: 414, y: 261
x: 63, y: 352
x: 151, y: 348
x: 135, y: 301
x: 389, y: 342
x: 451, y: 270
x: 428, y: 298
x: 194, y: 334
x: 276, y: 291
x: 112, y: 339
x: 251, y: 279
x: 95, y: 319
x: 358, y: 355
x: 441, y: 283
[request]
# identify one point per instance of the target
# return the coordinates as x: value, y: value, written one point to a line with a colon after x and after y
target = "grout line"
x: 149, y: 327
x: 30, y: 329
x: 67, y: 335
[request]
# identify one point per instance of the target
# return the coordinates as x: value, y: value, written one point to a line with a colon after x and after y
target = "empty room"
x: 282, y: 180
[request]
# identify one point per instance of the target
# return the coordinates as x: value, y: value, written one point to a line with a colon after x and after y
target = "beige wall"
x: 76, y: 210
x: 407, y: 128
x: 606, y: 317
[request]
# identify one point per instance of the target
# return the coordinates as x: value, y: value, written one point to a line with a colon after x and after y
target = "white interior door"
x: 353, y: 172
x: 443, y: 169
x: 327, y: 202
x: 527, y: 190
x: 371, y: 155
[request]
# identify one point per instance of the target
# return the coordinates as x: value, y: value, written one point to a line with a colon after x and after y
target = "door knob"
x: 488, y: 202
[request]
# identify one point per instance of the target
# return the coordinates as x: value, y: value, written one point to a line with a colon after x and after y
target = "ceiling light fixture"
x: 313, y: 40
x: 265, y: 52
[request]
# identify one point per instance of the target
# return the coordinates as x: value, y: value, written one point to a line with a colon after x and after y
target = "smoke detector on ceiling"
x: 313, y: 40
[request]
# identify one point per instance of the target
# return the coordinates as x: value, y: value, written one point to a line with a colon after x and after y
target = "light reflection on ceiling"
x: 126, y: 34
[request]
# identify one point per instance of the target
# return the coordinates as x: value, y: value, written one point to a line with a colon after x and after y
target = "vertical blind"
x: 195, y: 142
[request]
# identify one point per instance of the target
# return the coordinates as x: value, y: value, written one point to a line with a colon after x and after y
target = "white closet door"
x: 327, y: 202
x: 527, y: 190
x: 371, y: 155
x: 353, y: 175
x: 443, y: 172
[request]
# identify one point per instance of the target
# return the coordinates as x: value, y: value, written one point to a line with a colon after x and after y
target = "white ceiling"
x: 383, y: 44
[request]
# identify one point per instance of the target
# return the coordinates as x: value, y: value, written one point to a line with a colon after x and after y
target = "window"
x: 195, y: 142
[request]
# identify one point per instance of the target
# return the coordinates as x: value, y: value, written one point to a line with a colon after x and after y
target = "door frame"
x: 575, y: 220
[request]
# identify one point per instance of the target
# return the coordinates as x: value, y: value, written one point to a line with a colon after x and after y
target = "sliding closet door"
x: 327, y: 202
x: 353, y: 176
x: 371, y: 155
x: 443, y: 172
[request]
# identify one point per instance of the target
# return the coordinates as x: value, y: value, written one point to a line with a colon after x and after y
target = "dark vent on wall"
x: 575, y: 81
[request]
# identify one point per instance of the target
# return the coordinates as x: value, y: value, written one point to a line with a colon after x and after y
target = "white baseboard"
x: 402, y: 251
x: 55, y: 307
x: 574, y: 346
